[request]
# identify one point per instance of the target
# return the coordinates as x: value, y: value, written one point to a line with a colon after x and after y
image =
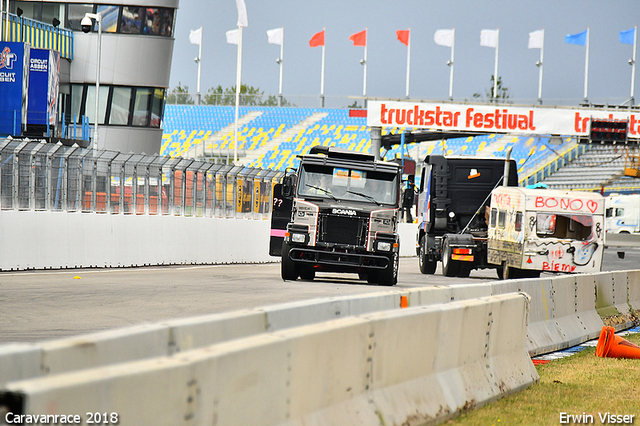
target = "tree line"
x: 253, y: 96
x: 249, y: 96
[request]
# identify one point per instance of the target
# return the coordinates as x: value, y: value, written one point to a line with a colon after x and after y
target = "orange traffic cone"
x: 612, y: 346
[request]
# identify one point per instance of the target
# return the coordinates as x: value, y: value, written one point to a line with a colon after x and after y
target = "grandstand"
x: 271, y: 138
x: 600, y: 168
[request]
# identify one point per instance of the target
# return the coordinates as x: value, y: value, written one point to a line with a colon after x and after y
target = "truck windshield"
x: 351, y: 184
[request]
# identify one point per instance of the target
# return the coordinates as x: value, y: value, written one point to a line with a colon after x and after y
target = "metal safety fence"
x: 36, y: 175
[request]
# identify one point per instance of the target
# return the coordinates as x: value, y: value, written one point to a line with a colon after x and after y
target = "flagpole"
x: 586, y: 69
x: 199, y: 64
x: 451, y: 66
x: 540, y: 65
x: 281, y: 60
x: 408, y: 61
x: 633, y: 62
x: 238, y: 79
x: 495, y: 72
x: 364, y: 63
x: 322, y: 77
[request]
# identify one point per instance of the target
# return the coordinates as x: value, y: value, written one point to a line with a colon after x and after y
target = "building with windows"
x: 137, y: 49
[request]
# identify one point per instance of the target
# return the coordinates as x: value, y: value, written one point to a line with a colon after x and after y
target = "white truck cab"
x: 622, y: 214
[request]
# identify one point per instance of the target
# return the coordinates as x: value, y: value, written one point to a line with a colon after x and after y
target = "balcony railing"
x: 38, y: 34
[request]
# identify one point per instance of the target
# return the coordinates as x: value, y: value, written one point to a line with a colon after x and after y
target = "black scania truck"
x: 338, y: 213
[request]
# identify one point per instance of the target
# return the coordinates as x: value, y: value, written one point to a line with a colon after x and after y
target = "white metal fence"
x: 53, y: 177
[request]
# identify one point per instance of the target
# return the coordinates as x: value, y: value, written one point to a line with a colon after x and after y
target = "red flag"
x: 359, y: 39
x: 403, y: 36
x: 317, y: 39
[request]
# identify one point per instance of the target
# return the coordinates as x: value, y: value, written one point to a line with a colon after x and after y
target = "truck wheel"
x: 288, y: 268
x: 307, y: 273
x: 426, y: 265
x: 464, y: 270
x: 509, y: 272
x: 389, y: 276
x: 449, y: 267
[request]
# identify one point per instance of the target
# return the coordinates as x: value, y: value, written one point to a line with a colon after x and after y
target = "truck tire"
x: 389, y: 275
x: 307, y: 273
x: 510, y: 273
x: 450, y: 267
x: 426, y: 265
x: 464, y: 270
x: 288, y: 268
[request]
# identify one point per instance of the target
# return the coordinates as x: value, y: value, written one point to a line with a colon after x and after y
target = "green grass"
x: 581, y: 383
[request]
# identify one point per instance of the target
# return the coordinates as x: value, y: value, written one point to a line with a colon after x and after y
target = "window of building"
x: 51, y: 11
x: 110, y: 18
x: 158, y: 21
x: 75, y: 14
x: 30, y: 9
x: 141, y: 107
x: 156, y: 108
x: 76, y: 103
x: 120, y: 106
x: 131, y: 19
x: 90, y: 104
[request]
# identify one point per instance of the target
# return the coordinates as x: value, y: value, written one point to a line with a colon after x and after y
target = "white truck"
x: 622, y: 214
x: 535, y: 230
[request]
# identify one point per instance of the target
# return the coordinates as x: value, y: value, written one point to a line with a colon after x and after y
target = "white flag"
x: 489, y: 38
x: 276, y: 36
x: 536, y: 39
x: 242, y: 14
x: 195, y: 36
x: 232, y: 36
x: 444, y: 37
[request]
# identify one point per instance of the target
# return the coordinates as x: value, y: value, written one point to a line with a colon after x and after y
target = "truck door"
x: 280, y: 217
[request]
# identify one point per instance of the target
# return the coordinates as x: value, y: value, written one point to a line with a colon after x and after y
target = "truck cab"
x: 338, y: 213
x: 454, y: 194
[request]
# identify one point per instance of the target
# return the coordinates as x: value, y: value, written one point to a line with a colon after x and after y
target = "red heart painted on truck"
x: 592, y: 205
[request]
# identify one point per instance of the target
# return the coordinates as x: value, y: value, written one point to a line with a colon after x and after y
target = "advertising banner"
x: 14, y: 81
x: 493, y: 118
x: 44, y: 70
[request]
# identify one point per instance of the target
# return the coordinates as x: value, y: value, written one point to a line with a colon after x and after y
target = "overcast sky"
x: 564, y: 64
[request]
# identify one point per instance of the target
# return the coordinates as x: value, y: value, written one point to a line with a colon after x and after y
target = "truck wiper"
x: 326, y: 191
x: 368, y: 197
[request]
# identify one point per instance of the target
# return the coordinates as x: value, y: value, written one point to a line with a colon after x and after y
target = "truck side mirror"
x: 288, y: 185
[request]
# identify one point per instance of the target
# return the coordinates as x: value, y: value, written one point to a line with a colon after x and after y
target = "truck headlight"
x: 384, y: 246
x: 298, y: 238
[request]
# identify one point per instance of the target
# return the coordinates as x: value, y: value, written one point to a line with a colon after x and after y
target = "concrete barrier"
x: 563, y: 313
x: 416, y: 365
x: 633, y: 280
x: 563, y: 310
x: 612, y: 298
x: 44, y: 240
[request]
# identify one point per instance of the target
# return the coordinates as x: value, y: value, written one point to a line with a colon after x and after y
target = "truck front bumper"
x: 339, y: 260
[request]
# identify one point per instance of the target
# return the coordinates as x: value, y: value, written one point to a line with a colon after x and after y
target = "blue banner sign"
x: 14, y: 81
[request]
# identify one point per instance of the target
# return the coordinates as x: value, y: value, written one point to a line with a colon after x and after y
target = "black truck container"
x: 452, y: 226
x: 338, y: 213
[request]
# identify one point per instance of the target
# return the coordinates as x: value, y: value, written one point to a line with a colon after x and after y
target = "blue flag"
x: 628, y: 36
x: 580, y: 38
